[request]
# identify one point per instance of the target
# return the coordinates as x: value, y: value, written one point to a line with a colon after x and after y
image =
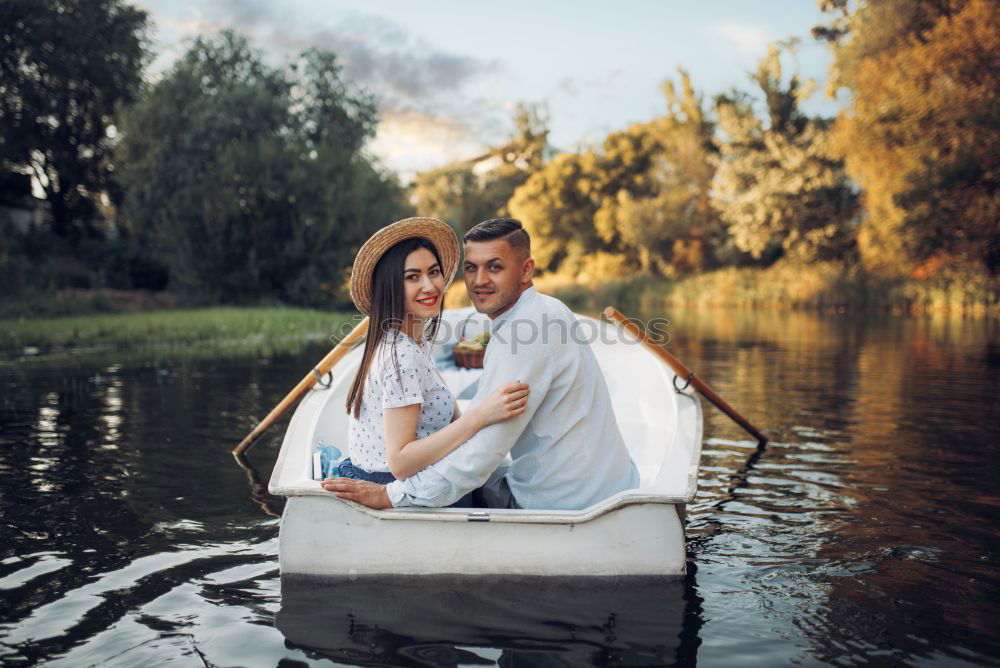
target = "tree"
x: 557, y: 206
x: 572, y: 205
x: 250, y: 180
x: 865, y: 29
x: 923, y: 133
x: 641, y: 203
x: 781, y: 189
x: 66, y: 69
x: 451, y: 193
x: 464, y: 193
x: 658, y: 185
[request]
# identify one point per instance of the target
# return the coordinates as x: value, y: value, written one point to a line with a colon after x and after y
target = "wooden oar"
x: 304, y: 385
x: 613, y: 314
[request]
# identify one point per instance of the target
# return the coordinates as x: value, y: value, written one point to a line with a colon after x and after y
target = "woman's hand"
x: 507, y: 402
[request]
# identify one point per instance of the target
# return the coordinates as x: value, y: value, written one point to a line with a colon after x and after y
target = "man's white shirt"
x: 566, y: 449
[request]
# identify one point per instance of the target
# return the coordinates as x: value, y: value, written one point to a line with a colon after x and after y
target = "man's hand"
x: 366, y: 493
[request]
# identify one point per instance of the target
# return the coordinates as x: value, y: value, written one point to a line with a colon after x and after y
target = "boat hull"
x: 324, y: 536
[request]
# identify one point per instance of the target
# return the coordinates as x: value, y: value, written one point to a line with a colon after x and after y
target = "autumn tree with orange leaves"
x: 922, y: 136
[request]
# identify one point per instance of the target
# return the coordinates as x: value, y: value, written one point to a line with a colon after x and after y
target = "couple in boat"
x: 542, y: 397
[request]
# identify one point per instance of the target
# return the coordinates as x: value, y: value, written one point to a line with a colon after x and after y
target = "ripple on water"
x: 863, y: 534
x: 22, y: 570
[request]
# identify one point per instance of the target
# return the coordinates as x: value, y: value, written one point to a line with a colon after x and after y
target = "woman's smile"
x: 423, y: 285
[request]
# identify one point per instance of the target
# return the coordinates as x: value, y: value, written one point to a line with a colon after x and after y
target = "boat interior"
x: 661, y: 424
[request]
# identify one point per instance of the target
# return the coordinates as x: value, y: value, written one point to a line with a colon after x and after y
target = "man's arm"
x: 469, y: 466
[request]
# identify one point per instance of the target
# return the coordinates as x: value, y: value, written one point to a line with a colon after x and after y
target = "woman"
x: 403, y: 417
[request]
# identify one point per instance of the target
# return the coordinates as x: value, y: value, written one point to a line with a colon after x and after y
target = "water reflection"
x: 447, y: 621
x: 866, y: 528
x: 863, y: 534
x: 268, y: 504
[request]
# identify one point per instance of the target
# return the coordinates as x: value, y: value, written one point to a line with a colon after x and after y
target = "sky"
x: 448, y: 74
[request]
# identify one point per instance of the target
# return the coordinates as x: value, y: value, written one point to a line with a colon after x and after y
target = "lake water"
x: 865, y: 533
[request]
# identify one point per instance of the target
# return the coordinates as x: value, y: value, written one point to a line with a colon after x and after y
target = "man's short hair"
x: 508, y: 229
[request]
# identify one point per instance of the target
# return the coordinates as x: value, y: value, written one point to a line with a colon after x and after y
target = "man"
x: 566, y: 449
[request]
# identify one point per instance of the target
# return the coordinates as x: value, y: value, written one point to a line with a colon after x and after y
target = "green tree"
x: 250, y: 180
x: 66, y: 68
x: 451, y: 193
x: 571, y: 206
x: 557, y: 205
x: 658, y: 182
x: 623, y: 172
x: 780, y: 188
x: 641, y: 203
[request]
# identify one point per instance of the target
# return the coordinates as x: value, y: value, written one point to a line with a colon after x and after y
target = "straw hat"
x: 438, y: 233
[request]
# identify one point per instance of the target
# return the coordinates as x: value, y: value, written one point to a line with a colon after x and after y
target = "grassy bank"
x: 67, y: 302
x: 818, y: 286
x: 221, y: 326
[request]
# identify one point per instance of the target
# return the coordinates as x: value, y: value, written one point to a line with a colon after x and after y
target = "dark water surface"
x: 864, y: 535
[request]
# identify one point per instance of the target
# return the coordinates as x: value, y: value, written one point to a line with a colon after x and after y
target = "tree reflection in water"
x: 865, y: 533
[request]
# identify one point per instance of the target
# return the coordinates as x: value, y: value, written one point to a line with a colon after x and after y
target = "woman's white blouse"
x: 402, y: 373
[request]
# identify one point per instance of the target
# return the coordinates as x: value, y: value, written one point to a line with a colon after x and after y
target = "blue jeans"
x: 495, y: 492
x: 349, y: 470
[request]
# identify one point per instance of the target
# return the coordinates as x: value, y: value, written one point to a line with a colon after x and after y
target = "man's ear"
x: 527, y: 270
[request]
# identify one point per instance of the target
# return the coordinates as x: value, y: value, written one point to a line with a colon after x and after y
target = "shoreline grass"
x: 215, y: 326
x: 820, y: 287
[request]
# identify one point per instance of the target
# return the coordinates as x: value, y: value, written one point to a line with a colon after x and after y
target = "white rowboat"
x: 637, y: 532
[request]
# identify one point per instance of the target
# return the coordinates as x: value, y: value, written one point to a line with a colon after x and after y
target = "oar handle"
x: 304, y: 385
x: 613, y: 314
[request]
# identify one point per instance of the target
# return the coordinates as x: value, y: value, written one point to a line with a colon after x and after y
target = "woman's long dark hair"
x: 388, y: 310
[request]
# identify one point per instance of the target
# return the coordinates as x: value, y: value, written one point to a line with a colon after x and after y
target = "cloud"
x: 567, y: 86
x: 406, y: 138
x: 246, y: 13
x: 426, y: 116
x: 375, y: 52
x: 747, y: 37
x: 596, y: 84
x: 394, y: 63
